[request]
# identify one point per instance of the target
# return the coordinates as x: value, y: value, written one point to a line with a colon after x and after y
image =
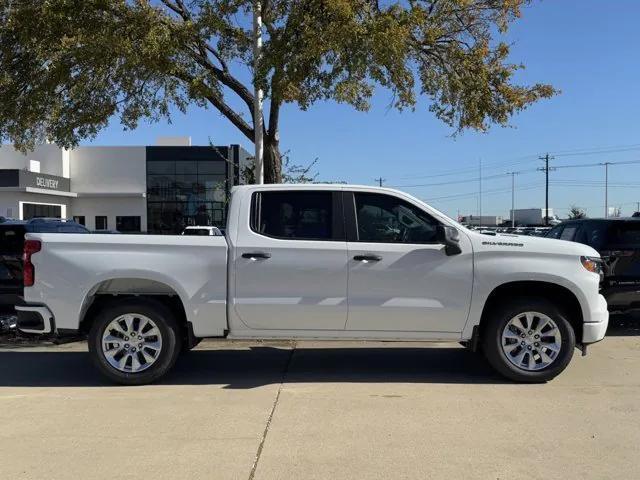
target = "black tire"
x: 169, y: 331
x: 497, y: 322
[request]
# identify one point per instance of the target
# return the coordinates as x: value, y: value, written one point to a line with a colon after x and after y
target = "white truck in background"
x: 328, y: 262
x: 534, y: 217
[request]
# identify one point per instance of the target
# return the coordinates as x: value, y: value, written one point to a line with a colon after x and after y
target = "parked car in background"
x: 12, y: 234
x: 323, y: 262
x: 202, y: 231
x: 618, y: 242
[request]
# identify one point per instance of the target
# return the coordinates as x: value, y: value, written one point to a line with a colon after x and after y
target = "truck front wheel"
x: 528, y: 340
x: 134, y: 341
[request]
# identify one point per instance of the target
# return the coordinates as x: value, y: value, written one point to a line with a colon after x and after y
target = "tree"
x: 576, y: 212
x: 67, y: 67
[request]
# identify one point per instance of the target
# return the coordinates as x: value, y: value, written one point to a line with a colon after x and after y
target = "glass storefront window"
x: 212, y: 168
x: 187, y: 167
x: 161, y: 167
x: 189, y: 190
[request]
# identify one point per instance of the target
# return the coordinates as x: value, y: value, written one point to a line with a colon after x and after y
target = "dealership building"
x: 155, y: 189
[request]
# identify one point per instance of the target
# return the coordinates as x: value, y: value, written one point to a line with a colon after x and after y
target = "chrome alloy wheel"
x: 131, y: 343
x: 531, y: 341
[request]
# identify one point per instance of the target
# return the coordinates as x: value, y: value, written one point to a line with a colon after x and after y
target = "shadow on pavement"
x: 238, y: 369
x: 261, y: 365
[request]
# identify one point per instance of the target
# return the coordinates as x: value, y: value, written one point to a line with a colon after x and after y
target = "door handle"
x: 369, y: 258
x: 256, y: 255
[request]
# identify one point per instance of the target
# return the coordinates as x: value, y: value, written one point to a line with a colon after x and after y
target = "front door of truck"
x: 291, y: 262
x: 400, y: 278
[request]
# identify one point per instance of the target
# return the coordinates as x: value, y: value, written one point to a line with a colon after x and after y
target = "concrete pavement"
x: 322, y: 410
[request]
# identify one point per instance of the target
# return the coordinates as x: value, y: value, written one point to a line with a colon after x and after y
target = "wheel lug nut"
x: 134, y: 349
x: 126, y: 346
x: 528, y: 348
x: 537, y: 337
x: 522, y: 343
x: 126, y: 338
x: 537, y: 344
x: 522, y: 335
x: 139, y: 345
x: 530, y: 332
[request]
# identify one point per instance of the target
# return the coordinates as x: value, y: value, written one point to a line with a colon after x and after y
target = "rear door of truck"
x: 291, y: 261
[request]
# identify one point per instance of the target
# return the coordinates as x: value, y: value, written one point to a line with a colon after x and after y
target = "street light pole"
x: 257, y: 102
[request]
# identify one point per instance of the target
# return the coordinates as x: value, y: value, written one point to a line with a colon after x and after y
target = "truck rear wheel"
x: 528, y: 340
x: 134, y: 341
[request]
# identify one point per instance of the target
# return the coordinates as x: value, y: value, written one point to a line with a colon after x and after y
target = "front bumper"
x: 595, y: 330
x: 35, y: 319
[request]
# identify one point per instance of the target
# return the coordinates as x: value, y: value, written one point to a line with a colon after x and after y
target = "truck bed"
x: 73, y: 267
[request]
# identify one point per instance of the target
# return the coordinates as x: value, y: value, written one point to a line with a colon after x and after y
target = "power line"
x: 501, y: 175
x: 487, y: 192
x: 525, y: 158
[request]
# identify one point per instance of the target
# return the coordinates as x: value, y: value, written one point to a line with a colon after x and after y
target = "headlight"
x: 592, y: 264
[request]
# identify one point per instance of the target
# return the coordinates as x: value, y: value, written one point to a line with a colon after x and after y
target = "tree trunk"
x: 272, y: 160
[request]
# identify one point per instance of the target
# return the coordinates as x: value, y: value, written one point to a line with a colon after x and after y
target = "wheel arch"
x: 558, y: 294
x: 110, y: 291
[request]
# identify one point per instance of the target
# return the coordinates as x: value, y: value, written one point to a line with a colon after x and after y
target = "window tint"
x: 70, y: 228
x: 386, y: 219
x: 196, y: 232
x: 593, y: 234
x: 625, y: 234
x: 128, y: 224
x: 568, y: 233
x: 300, y: 215
x: 555, y: 232
x: 11, y: 240
x: 101, y: 223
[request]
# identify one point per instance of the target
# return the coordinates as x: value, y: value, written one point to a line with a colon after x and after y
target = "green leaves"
x: 67, y: 67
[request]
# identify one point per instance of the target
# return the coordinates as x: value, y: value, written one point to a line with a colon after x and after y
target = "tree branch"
x: 218, y: 102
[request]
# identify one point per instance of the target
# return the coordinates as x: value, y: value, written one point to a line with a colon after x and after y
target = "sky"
x: 587, y: 49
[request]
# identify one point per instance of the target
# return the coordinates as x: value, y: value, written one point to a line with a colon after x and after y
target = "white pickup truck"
x: 322, y: 262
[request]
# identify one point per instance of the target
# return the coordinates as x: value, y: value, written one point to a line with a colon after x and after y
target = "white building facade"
x: 155, y: 189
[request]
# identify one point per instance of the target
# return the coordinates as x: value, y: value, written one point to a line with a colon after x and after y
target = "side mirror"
x: 450, y: 238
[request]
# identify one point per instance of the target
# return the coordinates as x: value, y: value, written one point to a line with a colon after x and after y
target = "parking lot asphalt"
x: 318, y: 410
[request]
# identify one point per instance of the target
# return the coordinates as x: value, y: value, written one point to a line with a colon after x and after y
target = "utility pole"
x: 606, y: 188
x: 380, y: 180
x: 480, y: 192
x: 257, y: 102
x: 546, y: 169
x: 513, y: 197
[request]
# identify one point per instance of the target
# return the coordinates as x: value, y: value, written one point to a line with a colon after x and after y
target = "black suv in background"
x: 618, y: 242
x: 12, y: 234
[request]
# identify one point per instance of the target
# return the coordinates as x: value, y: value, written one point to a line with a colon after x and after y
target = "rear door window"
x: 295, y: 215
